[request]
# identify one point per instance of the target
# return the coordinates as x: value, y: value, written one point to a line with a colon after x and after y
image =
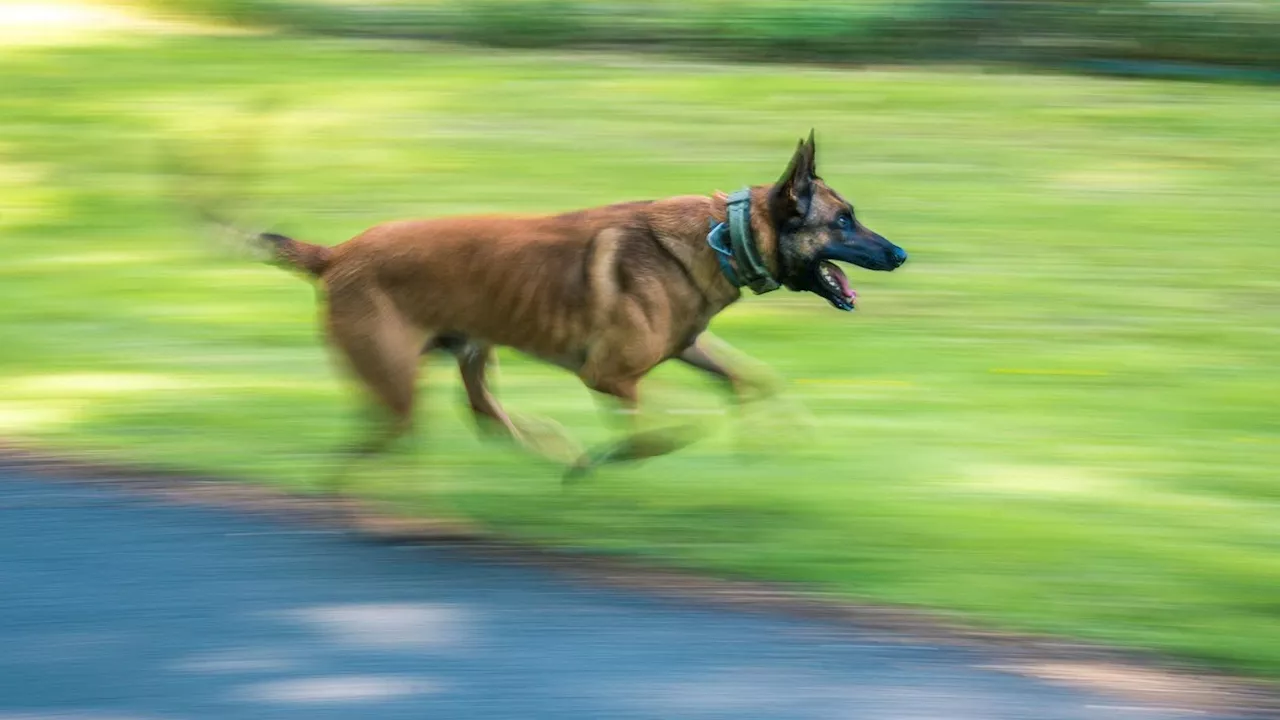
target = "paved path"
x: 112, y: 607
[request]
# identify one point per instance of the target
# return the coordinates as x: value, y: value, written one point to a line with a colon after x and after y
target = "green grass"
x: 1060, y: 416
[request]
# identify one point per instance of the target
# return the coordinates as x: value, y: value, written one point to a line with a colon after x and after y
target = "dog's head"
x: 814, y: 225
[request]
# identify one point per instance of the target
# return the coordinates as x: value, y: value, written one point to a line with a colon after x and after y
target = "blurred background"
x: 1061, y: 416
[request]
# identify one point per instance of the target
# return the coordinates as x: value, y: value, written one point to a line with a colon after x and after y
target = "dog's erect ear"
x: 813, y: 155
x: 791, y: 195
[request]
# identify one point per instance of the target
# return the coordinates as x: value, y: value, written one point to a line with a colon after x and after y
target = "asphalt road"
x: 114, y: 607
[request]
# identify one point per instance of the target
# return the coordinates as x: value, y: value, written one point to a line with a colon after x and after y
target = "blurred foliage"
x: 1225, y: 32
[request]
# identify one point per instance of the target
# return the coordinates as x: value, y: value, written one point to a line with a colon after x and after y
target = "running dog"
x: 607, y: 293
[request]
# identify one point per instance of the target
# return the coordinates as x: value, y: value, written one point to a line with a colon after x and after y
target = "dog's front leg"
x: 748, y: 379
x: 543, y: 437
x: 636, y: 444
x: 474, y: 360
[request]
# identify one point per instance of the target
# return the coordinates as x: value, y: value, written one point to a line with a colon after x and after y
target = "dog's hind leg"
x: 381, y: 350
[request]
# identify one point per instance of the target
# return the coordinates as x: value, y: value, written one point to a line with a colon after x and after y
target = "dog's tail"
x: 305, y: 257
x: 207, y: 209
x: 279, y: 250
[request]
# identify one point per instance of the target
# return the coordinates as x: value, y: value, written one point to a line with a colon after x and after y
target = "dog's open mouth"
x: 834, y: 286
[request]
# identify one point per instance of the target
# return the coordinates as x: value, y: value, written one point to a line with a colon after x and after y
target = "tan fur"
x: 607, y: 293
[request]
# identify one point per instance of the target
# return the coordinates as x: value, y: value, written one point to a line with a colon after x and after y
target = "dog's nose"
x: 899, y: 254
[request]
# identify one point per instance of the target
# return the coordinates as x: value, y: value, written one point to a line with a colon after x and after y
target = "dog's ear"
x: 813, y: 155
x: 790, y: 196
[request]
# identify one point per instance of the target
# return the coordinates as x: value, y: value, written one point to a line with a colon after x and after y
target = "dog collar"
x: 740, y: 249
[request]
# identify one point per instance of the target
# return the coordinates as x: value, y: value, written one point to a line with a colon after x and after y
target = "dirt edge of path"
x: 1126, y: 675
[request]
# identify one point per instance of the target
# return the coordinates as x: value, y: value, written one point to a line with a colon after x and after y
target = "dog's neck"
x: 683, y: 233
x: 735, y: 242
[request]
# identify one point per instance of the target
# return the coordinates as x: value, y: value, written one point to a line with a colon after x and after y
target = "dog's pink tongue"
x: 844, y: 286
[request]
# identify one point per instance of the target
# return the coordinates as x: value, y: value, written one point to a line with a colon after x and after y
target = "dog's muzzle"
x: 867, y: 250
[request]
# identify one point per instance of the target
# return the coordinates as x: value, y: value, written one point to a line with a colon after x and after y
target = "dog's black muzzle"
x: 866, y: 250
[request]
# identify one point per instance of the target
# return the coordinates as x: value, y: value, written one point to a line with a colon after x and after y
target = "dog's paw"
x: 547, y: 439
x: 801, y: 418
x: 767, y: 387
x: 761, y: 425
x: 580, y: 470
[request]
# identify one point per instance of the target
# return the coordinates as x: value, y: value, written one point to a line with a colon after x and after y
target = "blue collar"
x: 731, y: 240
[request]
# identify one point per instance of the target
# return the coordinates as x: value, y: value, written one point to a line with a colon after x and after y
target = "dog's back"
x: 535, y: 283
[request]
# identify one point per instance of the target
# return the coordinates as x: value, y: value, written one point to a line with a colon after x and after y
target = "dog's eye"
x: 844, y: 222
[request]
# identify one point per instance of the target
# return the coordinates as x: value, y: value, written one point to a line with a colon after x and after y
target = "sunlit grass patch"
x: 25, y: 24
x: 1053, y: 480
x: 26, y: 193
x: 89, y: 384
x: 25, y: 418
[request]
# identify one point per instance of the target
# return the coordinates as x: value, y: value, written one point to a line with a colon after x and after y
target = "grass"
x: 1061, y: 416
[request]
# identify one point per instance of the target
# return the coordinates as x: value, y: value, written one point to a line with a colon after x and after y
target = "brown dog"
x: 607, y: 293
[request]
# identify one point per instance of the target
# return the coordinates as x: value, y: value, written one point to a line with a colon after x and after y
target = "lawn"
x: 1060, y: 416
